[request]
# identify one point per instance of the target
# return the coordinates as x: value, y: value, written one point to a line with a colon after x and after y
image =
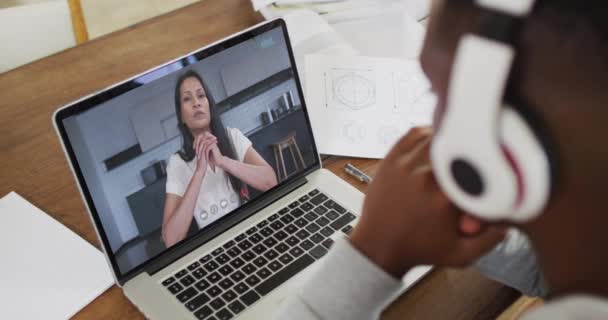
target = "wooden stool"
x: 289, y: 142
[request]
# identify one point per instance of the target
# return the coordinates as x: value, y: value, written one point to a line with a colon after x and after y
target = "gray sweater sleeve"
x: 345, y: 286
x: 513, y: 263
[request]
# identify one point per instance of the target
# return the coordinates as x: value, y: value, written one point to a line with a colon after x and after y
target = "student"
x: 562, y: 71
x: 208, y: 176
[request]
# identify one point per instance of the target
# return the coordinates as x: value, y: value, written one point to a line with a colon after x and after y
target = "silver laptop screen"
x: 190, y: 142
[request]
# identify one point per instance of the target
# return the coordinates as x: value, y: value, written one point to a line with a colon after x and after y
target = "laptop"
x: 187, y: 235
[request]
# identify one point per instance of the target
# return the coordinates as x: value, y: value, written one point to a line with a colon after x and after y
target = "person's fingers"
x: 210, y: 140
x: 419, y: 156
x: 410, y: 139
x: 211, y: 155
x: 474, y: 247
x: 205, y: 152
x: 201, y: 150
x: 470, y: 226
x: 201, y: 141
x: 209, y: 143
x: 196, y: 144
x: 199, y: 153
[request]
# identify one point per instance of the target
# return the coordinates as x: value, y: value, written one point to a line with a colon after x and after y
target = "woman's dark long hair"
x: 216, y: 127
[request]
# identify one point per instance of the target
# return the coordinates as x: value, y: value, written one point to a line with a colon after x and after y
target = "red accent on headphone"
x: 521, y: 186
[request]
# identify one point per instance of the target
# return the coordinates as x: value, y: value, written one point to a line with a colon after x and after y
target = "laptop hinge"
x: 242, y: 214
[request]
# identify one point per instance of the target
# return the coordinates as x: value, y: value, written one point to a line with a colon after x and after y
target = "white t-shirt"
x: 216, y: 197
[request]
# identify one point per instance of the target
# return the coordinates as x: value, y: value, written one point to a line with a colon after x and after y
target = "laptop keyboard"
x: 234, y: 276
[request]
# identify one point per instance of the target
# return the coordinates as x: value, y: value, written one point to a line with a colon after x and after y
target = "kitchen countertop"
x: 294, y: 110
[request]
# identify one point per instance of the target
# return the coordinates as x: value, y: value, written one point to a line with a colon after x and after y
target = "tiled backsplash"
x: 247, y: 116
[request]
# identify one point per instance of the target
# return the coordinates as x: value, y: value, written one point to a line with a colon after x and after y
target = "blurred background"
x: 33, y: 29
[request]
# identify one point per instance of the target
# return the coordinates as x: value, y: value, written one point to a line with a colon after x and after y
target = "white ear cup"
x: 484, y: 156
x: 531, y: 163
x: 467, y: 160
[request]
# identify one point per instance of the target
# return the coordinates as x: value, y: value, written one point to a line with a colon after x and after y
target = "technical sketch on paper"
x: 360, y: 106
x: 409, y: 90
x: 353, y: 89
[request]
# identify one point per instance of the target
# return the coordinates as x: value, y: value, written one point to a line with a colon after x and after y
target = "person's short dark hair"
x: 564, y: 16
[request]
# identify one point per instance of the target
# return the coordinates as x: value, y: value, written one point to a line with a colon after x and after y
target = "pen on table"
x: 355, y: 172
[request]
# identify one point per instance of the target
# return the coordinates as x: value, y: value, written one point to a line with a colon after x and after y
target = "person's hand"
x: 470, y: 225
x: 202, y: 147
x: 407, y: 220
x: 216, y: 159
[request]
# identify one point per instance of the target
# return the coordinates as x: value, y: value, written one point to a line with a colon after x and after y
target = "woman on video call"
x: 208, y: 176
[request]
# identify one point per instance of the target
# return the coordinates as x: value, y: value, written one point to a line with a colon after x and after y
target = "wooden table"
x: 33, y: 164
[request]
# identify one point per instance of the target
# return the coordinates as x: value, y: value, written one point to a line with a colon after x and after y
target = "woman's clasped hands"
x: 207, y: 152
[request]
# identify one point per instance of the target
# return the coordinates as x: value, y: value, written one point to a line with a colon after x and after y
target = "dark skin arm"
x: 419, y: 224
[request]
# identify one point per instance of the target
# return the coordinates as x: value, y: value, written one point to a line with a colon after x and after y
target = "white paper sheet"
x: 360, y: 106
x: 344, y: 10
x: 310, y: 34
x: 417, y: 9
x: 393, y: 34
x: 47, y: 271
x: 258, y: 4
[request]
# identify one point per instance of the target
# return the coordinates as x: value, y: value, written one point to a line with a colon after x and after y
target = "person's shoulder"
x: 177, y: 175
x: 234, y: 132
x: 237, y: 136
x: 175, y: 158
x: 240, y: 142
x: 175, y: 161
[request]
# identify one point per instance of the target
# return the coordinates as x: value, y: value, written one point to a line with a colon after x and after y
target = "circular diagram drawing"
x: 354, y: 91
